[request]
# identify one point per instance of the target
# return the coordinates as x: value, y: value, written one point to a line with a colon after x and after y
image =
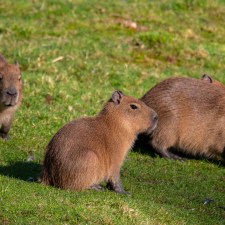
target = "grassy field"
x: 73, y: 54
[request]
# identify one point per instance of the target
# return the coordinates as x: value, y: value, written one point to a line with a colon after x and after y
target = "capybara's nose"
x: 11, y: 91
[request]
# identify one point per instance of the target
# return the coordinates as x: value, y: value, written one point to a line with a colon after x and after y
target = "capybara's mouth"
x: 9, y: 102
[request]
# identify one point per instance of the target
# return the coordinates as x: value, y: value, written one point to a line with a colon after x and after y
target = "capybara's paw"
x: 4, y: 136
x: 122, y: 191
x: 97, y: 187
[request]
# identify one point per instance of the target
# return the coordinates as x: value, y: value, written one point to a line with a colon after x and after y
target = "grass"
x: 73, y: 54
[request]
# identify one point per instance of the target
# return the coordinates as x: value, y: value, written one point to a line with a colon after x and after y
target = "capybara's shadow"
x: 27, y: 171
x: 141, y: 146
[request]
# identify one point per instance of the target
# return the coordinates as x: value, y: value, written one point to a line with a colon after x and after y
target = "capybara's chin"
x: 9, y: 101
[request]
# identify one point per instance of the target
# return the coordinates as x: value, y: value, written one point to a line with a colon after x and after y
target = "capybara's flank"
x: 89, y: 150
x: 191, y: 117
x: 10, y: 94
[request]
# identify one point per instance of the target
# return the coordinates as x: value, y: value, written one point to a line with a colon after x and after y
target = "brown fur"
x: 191, y: 117
x: 89, y: 150
x: 10, y: 94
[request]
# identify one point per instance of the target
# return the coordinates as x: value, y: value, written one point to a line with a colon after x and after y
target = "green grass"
x: 101, y: 52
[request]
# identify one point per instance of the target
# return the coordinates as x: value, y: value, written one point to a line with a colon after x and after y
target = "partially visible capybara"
x: 207, y: 78
x: 191, y: 117
x: 10, y: 94
x: 89, y: 150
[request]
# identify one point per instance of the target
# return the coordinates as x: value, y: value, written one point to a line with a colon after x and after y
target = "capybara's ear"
x: 16, y: 63
x: 2, y: 61
x: 117, y: 97
x: 207, y: 78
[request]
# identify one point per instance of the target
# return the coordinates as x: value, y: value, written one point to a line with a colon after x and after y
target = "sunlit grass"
x: 73, y: 55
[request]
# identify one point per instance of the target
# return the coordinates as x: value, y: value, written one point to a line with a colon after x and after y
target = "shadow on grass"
x: 27, y: 171
x: 141, y: 146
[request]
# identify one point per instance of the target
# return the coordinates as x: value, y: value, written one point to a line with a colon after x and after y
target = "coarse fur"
x: 191, y: 117
x: 10, y: 94
x: 90, y: 150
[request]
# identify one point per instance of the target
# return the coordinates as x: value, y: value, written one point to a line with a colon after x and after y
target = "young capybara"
x: 89, y: 150
x: 191, y: 117
x: 207, y: 78
x: 10, y: 94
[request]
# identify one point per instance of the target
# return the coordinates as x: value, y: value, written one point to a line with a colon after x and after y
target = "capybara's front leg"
x: 115, y: 184
x: 5, y: 129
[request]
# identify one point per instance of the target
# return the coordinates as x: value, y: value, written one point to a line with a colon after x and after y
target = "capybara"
x: 207, y: 78
x: 191, y: 117
x: 10, y: 94
x: 89, y: 150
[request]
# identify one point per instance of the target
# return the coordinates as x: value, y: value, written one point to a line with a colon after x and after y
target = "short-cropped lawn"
x: 73, y: 54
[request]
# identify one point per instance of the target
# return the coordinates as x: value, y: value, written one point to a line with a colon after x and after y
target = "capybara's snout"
x: 11, y: 91
x: 10, y: 96
x: 153, y: 121
x: 154, y: 117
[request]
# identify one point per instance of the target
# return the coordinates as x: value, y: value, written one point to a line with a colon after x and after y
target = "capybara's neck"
x: 119, y: 134
x: 118, y: 124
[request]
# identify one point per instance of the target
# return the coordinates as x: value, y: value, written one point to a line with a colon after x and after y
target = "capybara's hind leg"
x: 88, y: 172
x: 176, y: 157
x: 165, y: 153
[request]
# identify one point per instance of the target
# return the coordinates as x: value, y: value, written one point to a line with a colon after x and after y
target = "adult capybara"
x: 10, y: 94
x: 207, y: 78
x: 191, y: 117
x: 89, y: 150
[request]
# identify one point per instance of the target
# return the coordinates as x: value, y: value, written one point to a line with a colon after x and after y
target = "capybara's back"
x: 10, y: 94
x: 191, y: 117
x: 89, y: 150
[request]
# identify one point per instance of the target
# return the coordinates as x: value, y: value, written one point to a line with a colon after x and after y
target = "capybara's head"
x: 10, y: 83
x: 132, y: 113
x: 208, y: 79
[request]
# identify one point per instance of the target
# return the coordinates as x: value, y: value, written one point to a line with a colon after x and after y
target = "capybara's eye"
x: 133, y: 106
x: 19, y: 78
